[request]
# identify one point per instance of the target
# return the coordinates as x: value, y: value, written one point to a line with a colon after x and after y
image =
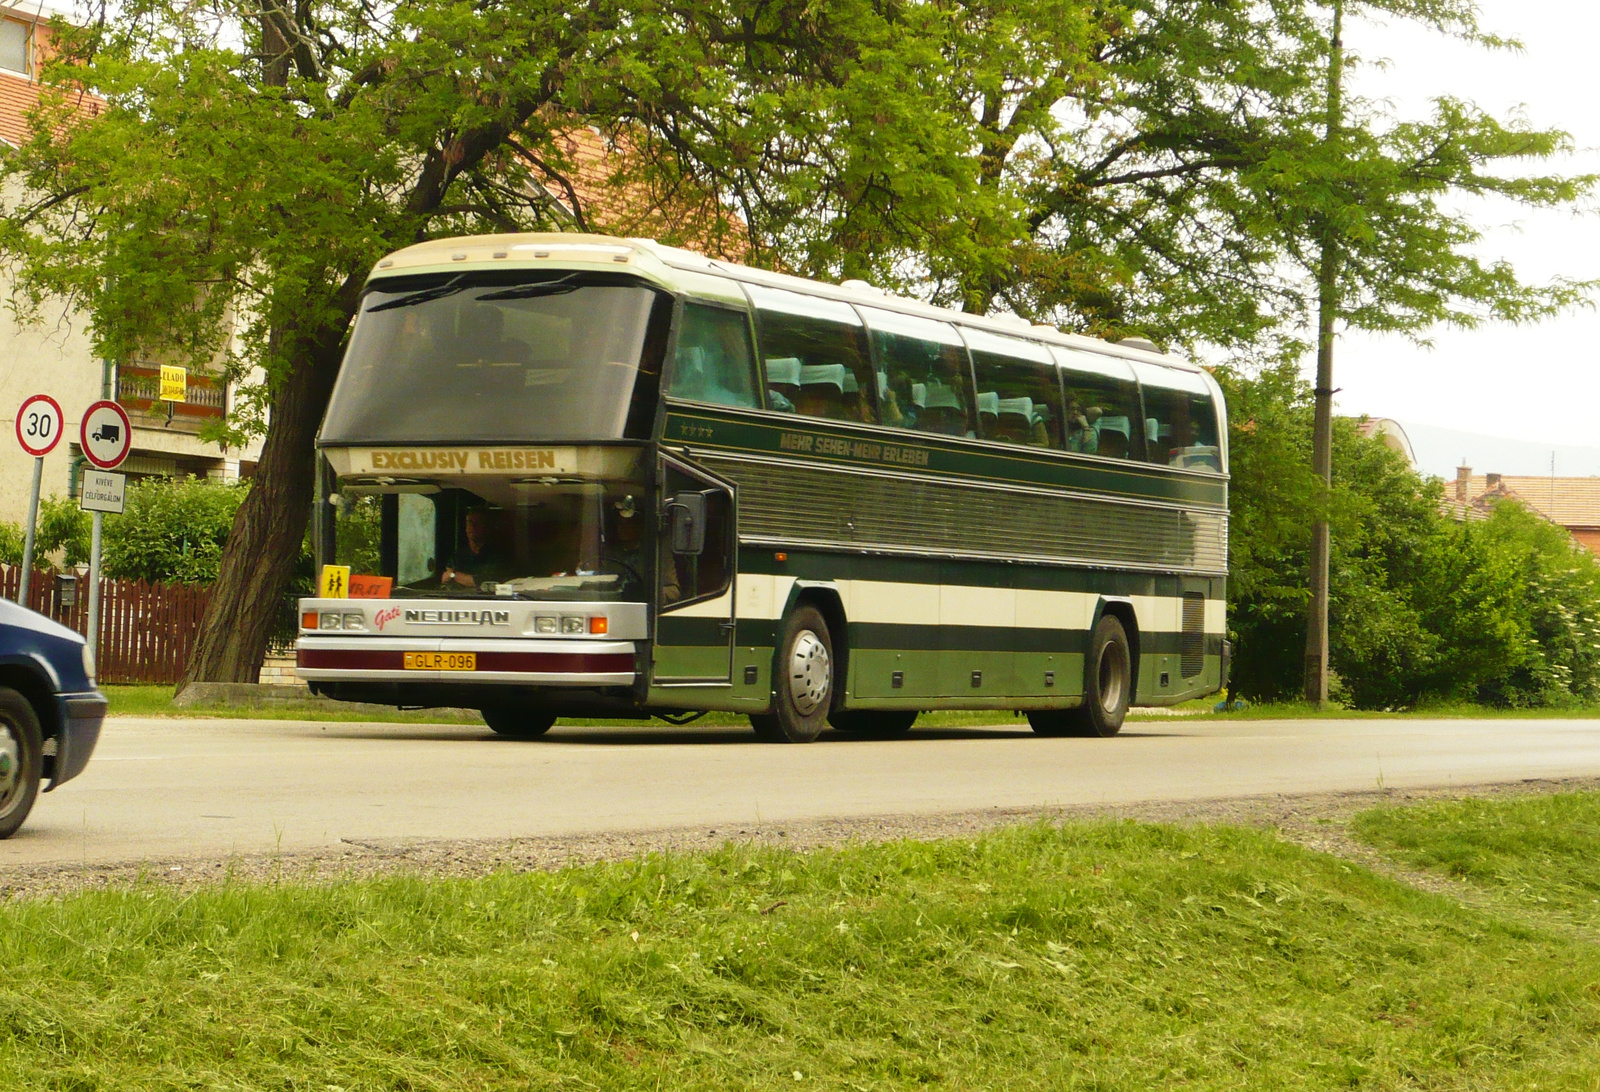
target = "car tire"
x: 874, y: 723
x: 514, y: 723
x: 1107, y: 688
x: 21, y: 760
x: 802, y: 680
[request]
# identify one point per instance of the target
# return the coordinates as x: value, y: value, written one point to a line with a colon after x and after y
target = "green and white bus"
x: 575, y: 475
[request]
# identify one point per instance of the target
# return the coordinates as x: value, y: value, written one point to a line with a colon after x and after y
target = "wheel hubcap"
x: 808, y: 673
x: 10, y: 767
x: 1111, y: 674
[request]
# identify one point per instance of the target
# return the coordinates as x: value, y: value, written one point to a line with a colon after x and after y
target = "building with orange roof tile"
x: 1573, y: 503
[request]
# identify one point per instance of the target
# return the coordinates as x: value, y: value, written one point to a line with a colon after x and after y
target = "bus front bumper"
x: 582, y: 663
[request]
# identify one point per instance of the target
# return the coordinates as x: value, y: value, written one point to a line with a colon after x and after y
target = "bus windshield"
x: 482, y: 537
x: 501, y: 355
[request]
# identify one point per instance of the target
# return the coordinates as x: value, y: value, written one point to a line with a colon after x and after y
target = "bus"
x: 581, y: 476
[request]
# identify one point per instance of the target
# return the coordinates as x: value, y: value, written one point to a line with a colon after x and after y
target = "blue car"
x: 50, y: 711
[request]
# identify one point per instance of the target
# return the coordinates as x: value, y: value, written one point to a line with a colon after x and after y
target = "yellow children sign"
x: 335, y: 582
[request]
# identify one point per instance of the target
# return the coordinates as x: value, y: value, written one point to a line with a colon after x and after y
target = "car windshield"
x: 496, y: 538
x: 501, y: 356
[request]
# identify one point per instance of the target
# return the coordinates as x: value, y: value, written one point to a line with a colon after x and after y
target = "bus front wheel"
x: 1107, y: 688
x: 802, y: 681
x: 514, y: 723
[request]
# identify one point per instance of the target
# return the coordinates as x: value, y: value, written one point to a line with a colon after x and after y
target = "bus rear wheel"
x: 1107, y: 688
x: 874, y: 723
x: 514, y: 723
x: 802, y: 674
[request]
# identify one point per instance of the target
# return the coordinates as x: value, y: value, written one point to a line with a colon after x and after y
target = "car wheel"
x: 802, y: 674
x: 874, y: 723
x: 514, y: 723
x: 1107, y: 688
x: 21, y: 760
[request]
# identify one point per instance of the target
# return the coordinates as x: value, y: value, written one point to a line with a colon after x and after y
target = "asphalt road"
x: 159, y: 789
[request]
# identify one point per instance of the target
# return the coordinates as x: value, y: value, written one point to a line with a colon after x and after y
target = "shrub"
x: 172, y: 530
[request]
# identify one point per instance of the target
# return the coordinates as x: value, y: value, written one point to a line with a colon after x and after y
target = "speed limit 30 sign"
x: 39, y: 425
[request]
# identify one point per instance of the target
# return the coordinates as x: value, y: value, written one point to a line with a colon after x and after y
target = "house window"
x: 14, y: 46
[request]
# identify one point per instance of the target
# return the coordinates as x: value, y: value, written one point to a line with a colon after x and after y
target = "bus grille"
x: 1192, y: 645
x: 802, y: 505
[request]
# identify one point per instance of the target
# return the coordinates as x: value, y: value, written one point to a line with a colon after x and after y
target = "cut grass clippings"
x: 1103, y: 956
x: 1537, y: 854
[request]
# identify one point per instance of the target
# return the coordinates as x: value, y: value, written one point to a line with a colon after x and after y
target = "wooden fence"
x: 146, y: 630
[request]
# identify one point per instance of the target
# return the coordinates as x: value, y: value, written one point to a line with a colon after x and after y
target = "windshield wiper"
x: 439, y: 291
x: 532, y: 291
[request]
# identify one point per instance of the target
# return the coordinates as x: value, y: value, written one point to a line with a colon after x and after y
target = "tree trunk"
x: 259, y: 558
x: 1328, y: 303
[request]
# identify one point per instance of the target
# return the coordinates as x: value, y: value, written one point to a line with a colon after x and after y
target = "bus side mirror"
x: 687, y: 513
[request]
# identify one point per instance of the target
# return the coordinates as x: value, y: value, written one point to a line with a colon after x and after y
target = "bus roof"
x: 664, y: 265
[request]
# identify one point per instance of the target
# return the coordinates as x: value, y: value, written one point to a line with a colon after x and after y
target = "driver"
x: 474, y: 556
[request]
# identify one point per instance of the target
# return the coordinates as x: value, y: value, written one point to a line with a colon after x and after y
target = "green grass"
x: 1206, y: 708
x: 1104, y: 956
x: 1540, y: 854
x: 156, y: 701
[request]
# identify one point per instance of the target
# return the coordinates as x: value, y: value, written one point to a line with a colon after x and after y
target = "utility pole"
x: 1316, y: 677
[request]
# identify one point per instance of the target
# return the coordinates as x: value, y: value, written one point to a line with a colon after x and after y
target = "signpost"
x: 38, y: 431
x: 105, y: 436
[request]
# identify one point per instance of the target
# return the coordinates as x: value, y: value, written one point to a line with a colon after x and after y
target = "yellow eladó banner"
x: 174, y: 383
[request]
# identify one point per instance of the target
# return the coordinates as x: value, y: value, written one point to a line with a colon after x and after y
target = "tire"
x: 514, y: 723
x: 1107, y: 688
x: 803, y: 680
x: 874, y: 723
x: 21, y: 760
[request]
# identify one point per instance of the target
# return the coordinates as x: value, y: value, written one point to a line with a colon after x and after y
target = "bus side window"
x: 1019, y: 401
x: 921, y: 374
x: 1180, y: 428
x: 1101, y: 401
x: 1019, y: 395
x: 816, y: 366
x: 1103, y: 416
x: 714, y: 362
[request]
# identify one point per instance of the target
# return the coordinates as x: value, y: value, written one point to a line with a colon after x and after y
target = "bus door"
x: 696, y: 559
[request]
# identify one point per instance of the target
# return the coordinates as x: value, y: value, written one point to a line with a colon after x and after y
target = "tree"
x: 245, y: 167
x: 1364, y: 208
x: 1135, y: 166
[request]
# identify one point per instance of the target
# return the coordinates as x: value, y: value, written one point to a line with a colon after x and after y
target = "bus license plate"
x: 441, y: 661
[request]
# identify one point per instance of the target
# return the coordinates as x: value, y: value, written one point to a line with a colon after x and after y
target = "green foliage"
x: 1423, y: 608
x: 11, y: 543
x: 62, y: 527
x: 1109, y: 956
x: 172, y: 530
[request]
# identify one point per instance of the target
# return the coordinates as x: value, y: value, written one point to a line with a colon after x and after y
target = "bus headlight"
x: 573, y: 623
x: 544, y: 623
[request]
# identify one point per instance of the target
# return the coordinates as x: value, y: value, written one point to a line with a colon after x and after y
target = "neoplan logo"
x: 460, y: 617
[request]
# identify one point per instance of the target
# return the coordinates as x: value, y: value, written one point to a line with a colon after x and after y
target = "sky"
x: 1538, y: 385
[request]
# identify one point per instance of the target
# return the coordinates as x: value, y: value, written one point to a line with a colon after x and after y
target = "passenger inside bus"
x: 1082, y: 436
x: 822, y: 391
x: 940, y: 410
x: 483, y: 338
x: 783, y: 383
x: 713, y: 361
x: 477, y: 556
